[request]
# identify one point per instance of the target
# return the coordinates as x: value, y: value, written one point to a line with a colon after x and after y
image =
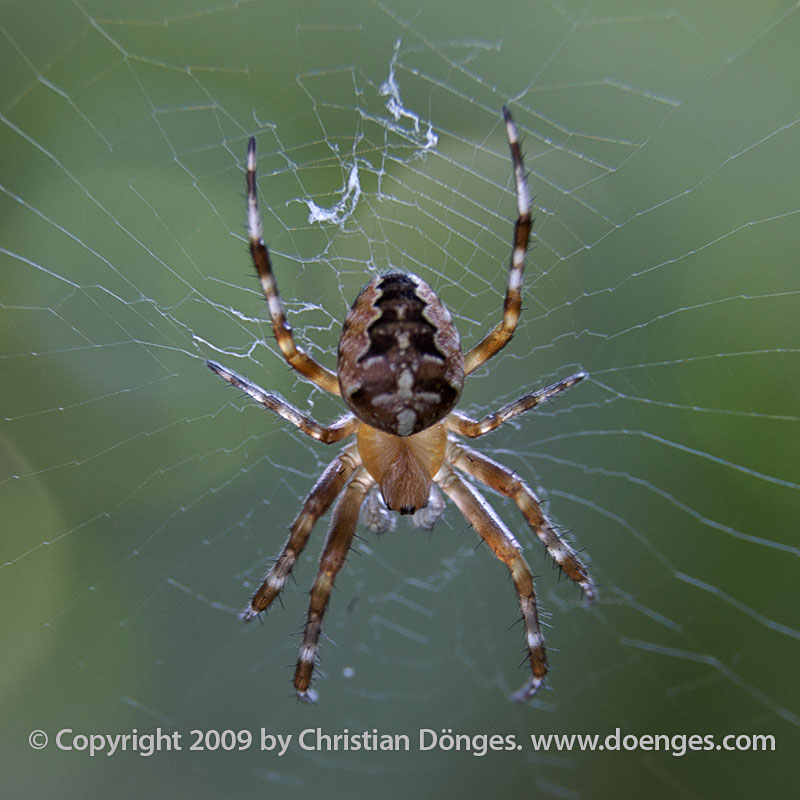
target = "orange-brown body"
x: 403, y: 466
x: 400, y: 372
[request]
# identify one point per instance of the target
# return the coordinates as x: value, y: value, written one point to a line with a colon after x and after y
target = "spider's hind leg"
x: 326, y: 489
x: 337, y: 545
x: 504, y: 481
x: 503, y: 544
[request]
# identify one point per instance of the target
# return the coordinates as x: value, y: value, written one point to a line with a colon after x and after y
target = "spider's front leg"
x: 337, y: 544
x: 326, y: 489
x: 503, y: 544
x: 296, y: 357
x: 499, y: 336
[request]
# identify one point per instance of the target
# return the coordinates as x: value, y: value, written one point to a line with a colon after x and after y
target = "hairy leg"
x: 504, y: 330
x: 297, y: 358
x: 327, y: 488
x: 503, y: 544
x: 502, y: 480
x: 340, y: 429
x: 337, y: 545
x: 472, y: 428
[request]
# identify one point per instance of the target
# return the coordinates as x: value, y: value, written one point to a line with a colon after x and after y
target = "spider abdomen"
x: 400, y: 365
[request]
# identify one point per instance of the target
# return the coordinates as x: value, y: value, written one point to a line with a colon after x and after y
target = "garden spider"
x: 400, y: 371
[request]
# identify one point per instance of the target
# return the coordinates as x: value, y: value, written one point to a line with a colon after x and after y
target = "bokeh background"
x: 141, y: 498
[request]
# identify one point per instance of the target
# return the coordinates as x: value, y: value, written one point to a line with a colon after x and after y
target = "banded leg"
x: 492, y: 530
x: 502, y: 480
x: 327, y: 434
x: 466, y: 426
x: 504, y: 330
x: 297, y: 358
x: 325, y: 491
x: 337, y: 545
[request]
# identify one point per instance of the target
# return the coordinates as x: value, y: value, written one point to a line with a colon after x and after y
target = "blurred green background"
x: 141, y: 499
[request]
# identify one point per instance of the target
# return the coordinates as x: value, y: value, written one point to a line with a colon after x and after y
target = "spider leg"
x: 466, y: 426
x: 502, y: 480
x: 297, y: 358
x: 325, y: 491
x: 341, y: 428
x: 493, y: 531
x: 504, y: 330
x: 337, y: 545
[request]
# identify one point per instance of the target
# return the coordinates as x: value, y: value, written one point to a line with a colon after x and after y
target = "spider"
x: 400, y: 371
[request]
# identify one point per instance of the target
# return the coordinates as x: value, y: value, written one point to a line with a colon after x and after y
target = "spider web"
x: 141, y: 499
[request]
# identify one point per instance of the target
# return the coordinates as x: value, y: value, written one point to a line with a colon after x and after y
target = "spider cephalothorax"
x: 400, y: 371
